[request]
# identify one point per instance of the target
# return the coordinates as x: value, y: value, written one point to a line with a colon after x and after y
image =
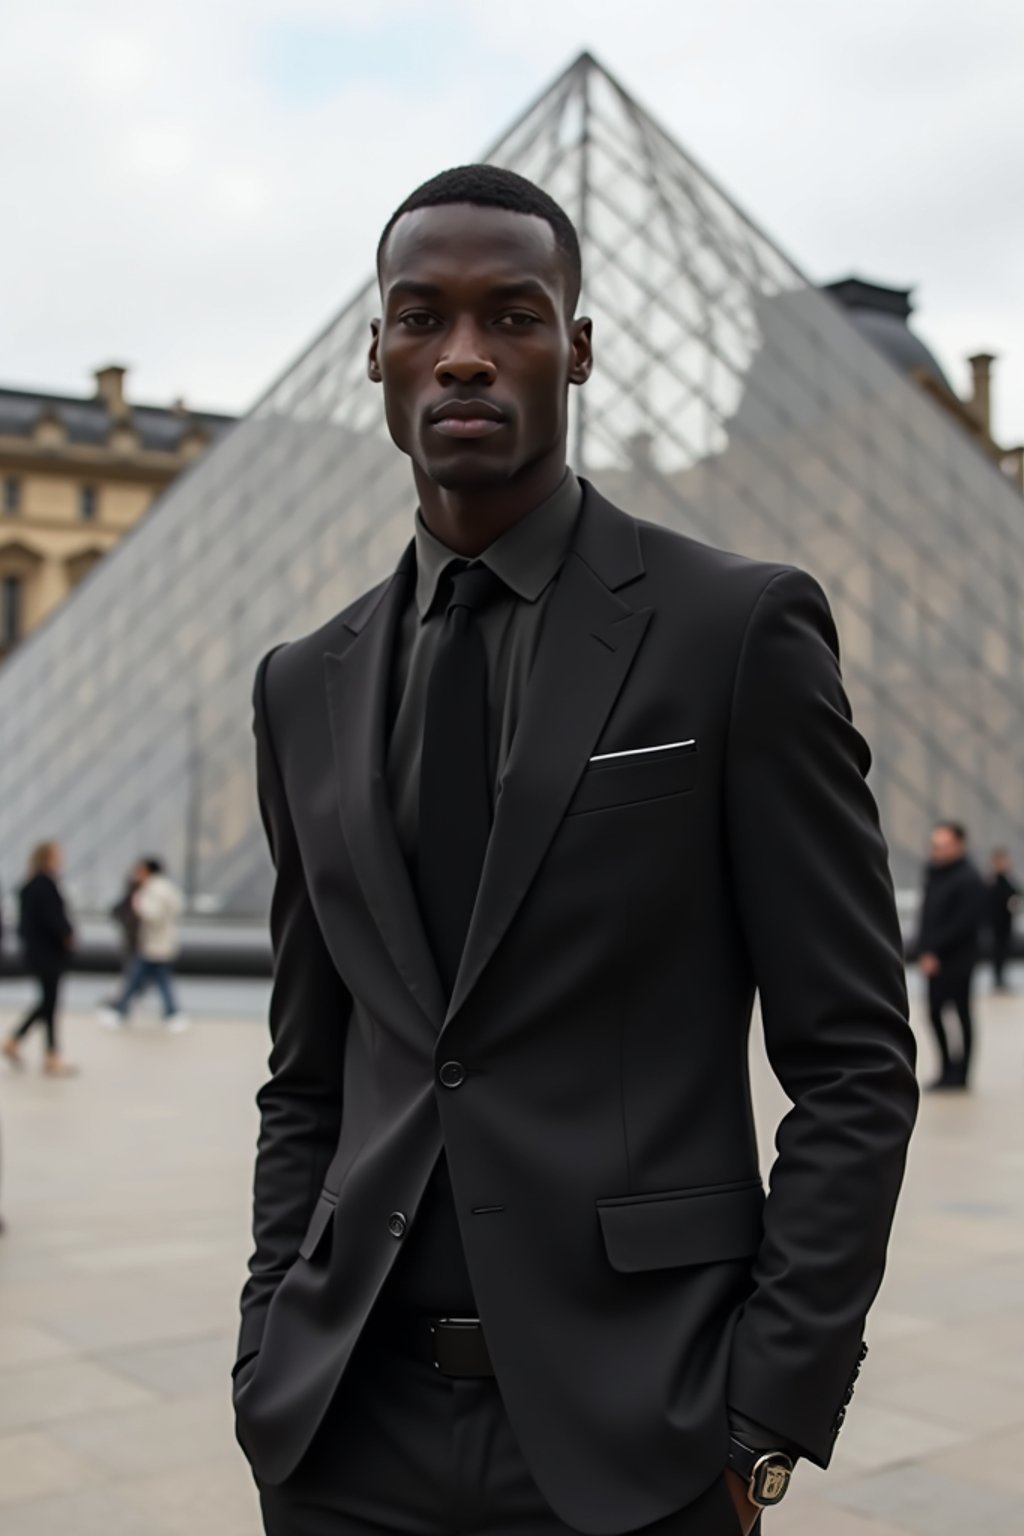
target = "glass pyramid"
x: 730, y: 399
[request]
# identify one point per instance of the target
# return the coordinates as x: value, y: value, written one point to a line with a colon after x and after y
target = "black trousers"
x: 45, y: 1010
x: 947, y: 992
x: 404, y: 1451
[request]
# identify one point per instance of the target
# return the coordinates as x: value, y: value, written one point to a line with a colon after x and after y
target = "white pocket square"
x: 664, y: 746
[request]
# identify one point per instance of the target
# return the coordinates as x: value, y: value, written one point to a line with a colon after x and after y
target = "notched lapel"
x: 357, y: 692
x: 588, y: 644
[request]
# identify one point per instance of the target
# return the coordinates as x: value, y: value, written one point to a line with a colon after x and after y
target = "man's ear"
x: 373, y: 360
x: 582, y: 350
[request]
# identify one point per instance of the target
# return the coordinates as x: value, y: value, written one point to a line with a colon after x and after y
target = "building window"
x: 12, y: 494
x: 10, y: 612
x: 87, y: 503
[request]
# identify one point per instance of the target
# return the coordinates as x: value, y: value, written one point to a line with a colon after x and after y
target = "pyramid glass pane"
x: 730, y: 400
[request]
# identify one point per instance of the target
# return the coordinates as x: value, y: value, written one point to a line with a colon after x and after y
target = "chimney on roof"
x: 981, y: 396
x: 110, y: 389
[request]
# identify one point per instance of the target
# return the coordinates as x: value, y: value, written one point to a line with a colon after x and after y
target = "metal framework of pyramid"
x: 730, y: 399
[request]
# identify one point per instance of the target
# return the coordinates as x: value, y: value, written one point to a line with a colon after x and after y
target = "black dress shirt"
x: 527, y: 558
x: 431, y: 1277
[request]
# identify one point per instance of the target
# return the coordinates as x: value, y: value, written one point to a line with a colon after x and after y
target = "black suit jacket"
x: 43, y: 925
x: 631, y: 1276
x: 1000, y: 894
x: 952, y: 912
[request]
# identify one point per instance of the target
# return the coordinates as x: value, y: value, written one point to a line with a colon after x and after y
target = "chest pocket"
x: 630, y: 780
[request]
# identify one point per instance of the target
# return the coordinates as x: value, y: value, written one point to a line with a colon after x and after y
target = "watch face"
x: 774, y: 1484
x: 771, y: 1479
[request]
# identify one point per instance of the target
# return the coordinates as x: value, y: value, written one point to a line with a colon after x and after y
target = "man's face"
x: 476, y: 346
x: 946, y: 846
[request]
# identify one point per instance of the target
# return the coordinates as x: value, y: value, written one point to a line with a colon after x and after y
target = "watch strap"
x: 767, y: 1474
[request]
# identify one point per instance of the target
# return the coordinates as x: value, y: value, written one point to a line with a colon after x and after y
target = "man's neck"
x: 469, y: 519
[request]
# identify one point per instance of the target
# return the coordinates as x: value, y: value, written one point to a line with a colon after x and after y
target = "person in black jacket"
x: 1003, y: 902
x: 952, y: 911
x: 46, y: 936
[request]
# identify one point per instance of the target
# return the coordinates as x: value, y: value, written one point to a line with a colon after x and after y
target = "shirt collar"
x: 527, y: 557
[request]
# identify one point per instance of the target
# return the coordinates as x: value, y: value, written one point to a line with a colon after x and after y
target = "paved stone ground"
x: 126, y: 1197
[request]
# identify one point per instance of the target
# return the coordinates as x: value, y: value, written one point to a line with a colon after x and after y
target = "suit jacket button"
x: 452, y: 1074
x: 397, y: 1224
x: 840, y: 1420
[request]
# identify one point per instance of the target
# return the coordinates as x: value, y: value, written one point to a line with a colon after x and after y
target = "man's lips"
x: 467, y: 426
x: 467, y: 419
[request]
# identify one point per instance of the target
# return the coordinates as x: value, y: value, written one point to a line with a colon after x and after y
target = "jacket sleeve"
x: 300, y: 1104
x: 816, y: 906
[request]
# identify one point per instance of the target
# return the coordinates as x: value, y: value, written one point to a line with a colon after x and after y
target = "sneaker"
x: 109, y: 1018
x: 177, y: 1024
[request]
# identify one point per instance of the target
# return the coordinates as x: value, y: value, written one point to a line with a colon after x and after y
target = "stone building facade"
x: 76, y: 474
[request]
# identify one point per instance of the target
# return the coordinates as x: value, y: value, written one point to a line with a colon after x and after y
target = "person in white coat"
x: 158, y: 905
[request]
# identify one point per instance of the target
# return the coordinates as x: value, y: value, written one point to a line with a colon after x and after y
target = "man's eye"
x: 417, y: 320
x: 518, y: 320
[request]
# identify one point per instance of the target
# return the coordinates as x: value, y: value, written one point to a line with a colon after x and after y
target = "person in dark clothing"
x: 952, y: 912
x: 123, y: 913
x: 46, y: 936
x: 127, y: 919
x: 1003, y: 902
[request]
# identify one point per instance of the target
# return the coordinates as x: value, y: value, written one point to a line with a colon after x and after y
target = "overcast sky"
x: 193, y: 189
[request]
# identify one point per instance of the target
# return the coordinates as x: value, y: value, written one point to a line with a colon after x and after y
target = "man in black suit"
x: 546, y: 807
x: 952, y: 912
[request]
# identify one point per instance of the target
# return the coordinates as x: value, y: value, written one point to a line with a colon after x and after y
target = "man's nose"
x: 464, y: 358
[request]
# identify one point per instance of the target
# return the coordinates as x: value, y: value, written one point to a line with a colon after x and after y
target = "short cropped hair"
x: 154, y: 865
x: 489, y: 186
x: 957, y: 828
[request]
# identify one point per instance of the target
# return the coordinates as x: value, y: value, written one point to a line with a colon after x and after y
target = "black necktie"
x: 455, y: 789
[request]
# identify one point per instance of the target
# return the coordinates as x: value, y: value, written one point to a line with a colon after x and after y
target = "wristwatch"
x: 766, y: 1473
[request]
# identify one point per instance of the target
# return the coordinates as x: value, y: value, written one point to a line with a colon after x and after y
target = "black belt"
x: 454, y: 1346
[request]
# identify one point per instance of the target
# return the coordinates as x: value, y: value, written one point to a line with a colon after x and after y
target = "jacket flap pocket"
x: 626, y: 780
x: 323, y: 1211
x: 682, y: 1227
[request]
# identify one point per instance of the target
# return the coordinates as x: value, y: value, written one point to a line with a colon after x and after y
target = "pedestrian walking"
x: 952, y: 912
x: 158, y: 905
x: 46, y: 936
x: 1003, y: 902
